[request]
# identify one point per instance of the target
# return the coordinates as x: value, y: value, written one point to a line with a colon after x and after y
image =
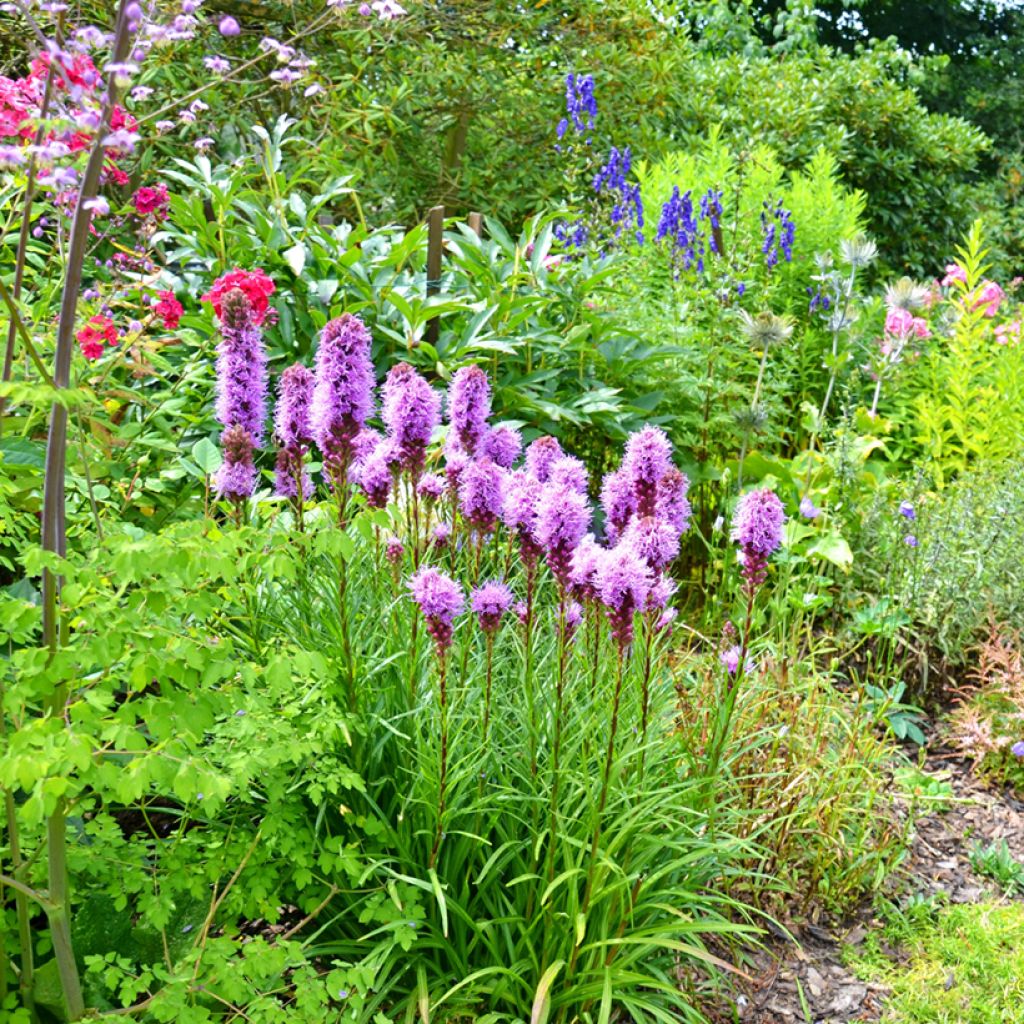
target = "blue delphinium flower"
x: 580, y: 105
x: 778, y: 230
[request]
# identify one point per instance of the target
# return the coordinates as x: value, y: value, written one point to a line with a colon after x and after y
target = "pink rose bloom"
x: 954, y: 273
x: 898, y: 322
x: 988, y: 298
x: 920, y: 327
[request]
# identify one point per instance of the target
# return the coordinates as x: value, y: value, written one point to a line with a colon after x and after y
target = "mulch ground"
x: 805, y: 981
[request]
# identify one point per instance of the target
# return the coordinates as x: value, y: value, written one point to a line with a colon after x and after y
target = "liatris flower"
x: 480, y: 494
x: 374, y: 476
x: 411, y: 409
x: 254, y: 283
x: 672, y: 503
x: 573, y: 618
x: 440, y: 536
x: 521, y: 611
x: 454, y: 465
x: 654, y: 539
x: 647, y: 459
x: 241, y: 368
x: 430, y: 487
x: 236, y: 478
x: 365, y: 444
x: 623, y: 583
x: 583, y: 567
x: 618, y: 500
x: 343, y: 393
x: 568, y: 471
x: 394, y: 550
x: 519, y: 512
x: 757, y: 528
x: 292, y: 427
x: 489, y: 602
x: 661, y: 593
x: 666, y: 619
x: 440, y: 599
x: 469, y: 406
x: 502, y: 444
x: 563, y: 517
x: 540, y: 455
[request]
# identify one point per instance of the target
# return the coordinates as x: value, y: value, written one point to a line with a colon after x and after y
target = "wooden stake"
x: 435, y: 243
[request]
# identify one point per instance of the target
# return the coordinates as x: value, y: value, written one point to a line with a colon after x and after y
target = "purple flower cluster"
x: 691, y: 235
x: 757, y: 528
x: 580, y: 105
x: 440, y: 599
x: 241, y: 396
x: 411, y: 409
x: 623, y: 582
x: 489, y: 603
x: 343, y: 393
x: 627, y: 208
x: 469, y: 407
x: 480, y: 494
x: 293, y: 431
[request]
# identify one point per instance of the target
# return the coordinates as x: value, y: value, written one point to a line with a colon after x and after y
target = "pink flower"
x: 91, y: 337
x: 169, y: 309
x: 151, y: 200
x: 988, y: 298
x: 256, y: 285
x: 899, y: 322
x: 1008, y: 334
x: 920, y: 328
x: 954, y: 274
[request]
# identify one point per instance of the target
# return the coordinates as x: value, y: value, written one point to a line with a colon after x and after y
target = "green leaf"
x: 207, y: 456
x: 295, y: 257
x: 833, y: 548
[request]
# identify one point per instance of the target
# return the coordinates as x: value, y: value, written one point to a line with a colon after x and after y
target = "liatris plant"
x: 342, y: 398
x: 469, y: 407
x: 294, y: 435
x: 440, y: 599
x: 489, y: 603
x: 241, y: 396
x: 411, y: 409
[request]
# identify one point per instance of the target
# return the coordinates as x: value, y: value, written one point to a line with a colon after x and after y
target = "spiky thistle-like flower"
x: 502, y: 444
x: 489, y: 602
x: 568, y: 471
x: 343, y: 392
x: 540, y: 455
x: 618, y: 500
x: 241, y: 368
x: 480, y: 494
x: 519, y: 512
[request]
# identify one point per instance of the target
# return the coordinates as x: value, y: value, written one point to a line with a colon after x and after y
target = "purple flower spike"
x: 440, y: 599
x: 241, y: 368
x: 573, y: 618
x: 365, y: 444
x: 374, y: 476
x: 540, y: 455
x: 619, y: 503
x: 343, y: 393
x: 292, y: 427
x: 455, y: 464
x: 623, y: 583
x: 480, y: 494
x: 469, y: 406
x: 661, y: 593
x: 411, y: 409
x: 568, y: 471
x: 441, y: 536
x: 647, y: 459
x: 502, y: 444
x: 519, y: 512
x: 757, y: 528
x: 673, y: 505
x: 489, y: 602
x: 563, y: 517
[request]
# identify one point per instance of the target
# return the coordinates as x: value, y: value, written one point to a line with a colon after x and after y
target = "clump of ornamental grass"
x: 540, y: 848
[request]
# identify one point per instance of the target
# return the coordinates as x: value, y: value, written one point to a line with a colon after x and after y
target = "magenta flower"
x: 988, y: 298
x: 954, y: 274
x: 502, y: 444
x: 519, y: 512
x: 568, y: 471
x: 365, y: 444
x: 489, y: 602
x: 394, y: 550
x: 480, y: 494
x: 673, y: 505
x: 440, y: 599
x: 469, y: 406
x: 757, y: 528
x: 411, y: 409
x: 227, y: 26
x: 618, y: 500
x: 292, y: 427
x: 539, y: 456
x: 343, y: 393
x: 441, y: 535
x: 654, y: 539
x: 236, y: 478
x: 455, y: 463
x: 583, y: 567
x: 563, y: 517
x: 375, y: 477
x: 647, y: 459
x: 521, y: 611
x: 623, y: 582
x: 573, y: 618
x: 661, y: 593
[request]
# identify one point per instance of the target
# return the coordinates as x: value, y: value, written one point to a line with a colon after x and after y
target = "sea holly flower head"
x: 255, y: 284
x: 489, y: 603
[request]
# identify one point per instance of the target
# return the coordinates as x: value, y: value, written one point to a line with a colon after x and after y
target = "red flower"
x: 91, y: 337
x: 169, y: 309
x: 256, y: 285
x: 79, y: 70
x: 151, y: 201
x: 118, y: 176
